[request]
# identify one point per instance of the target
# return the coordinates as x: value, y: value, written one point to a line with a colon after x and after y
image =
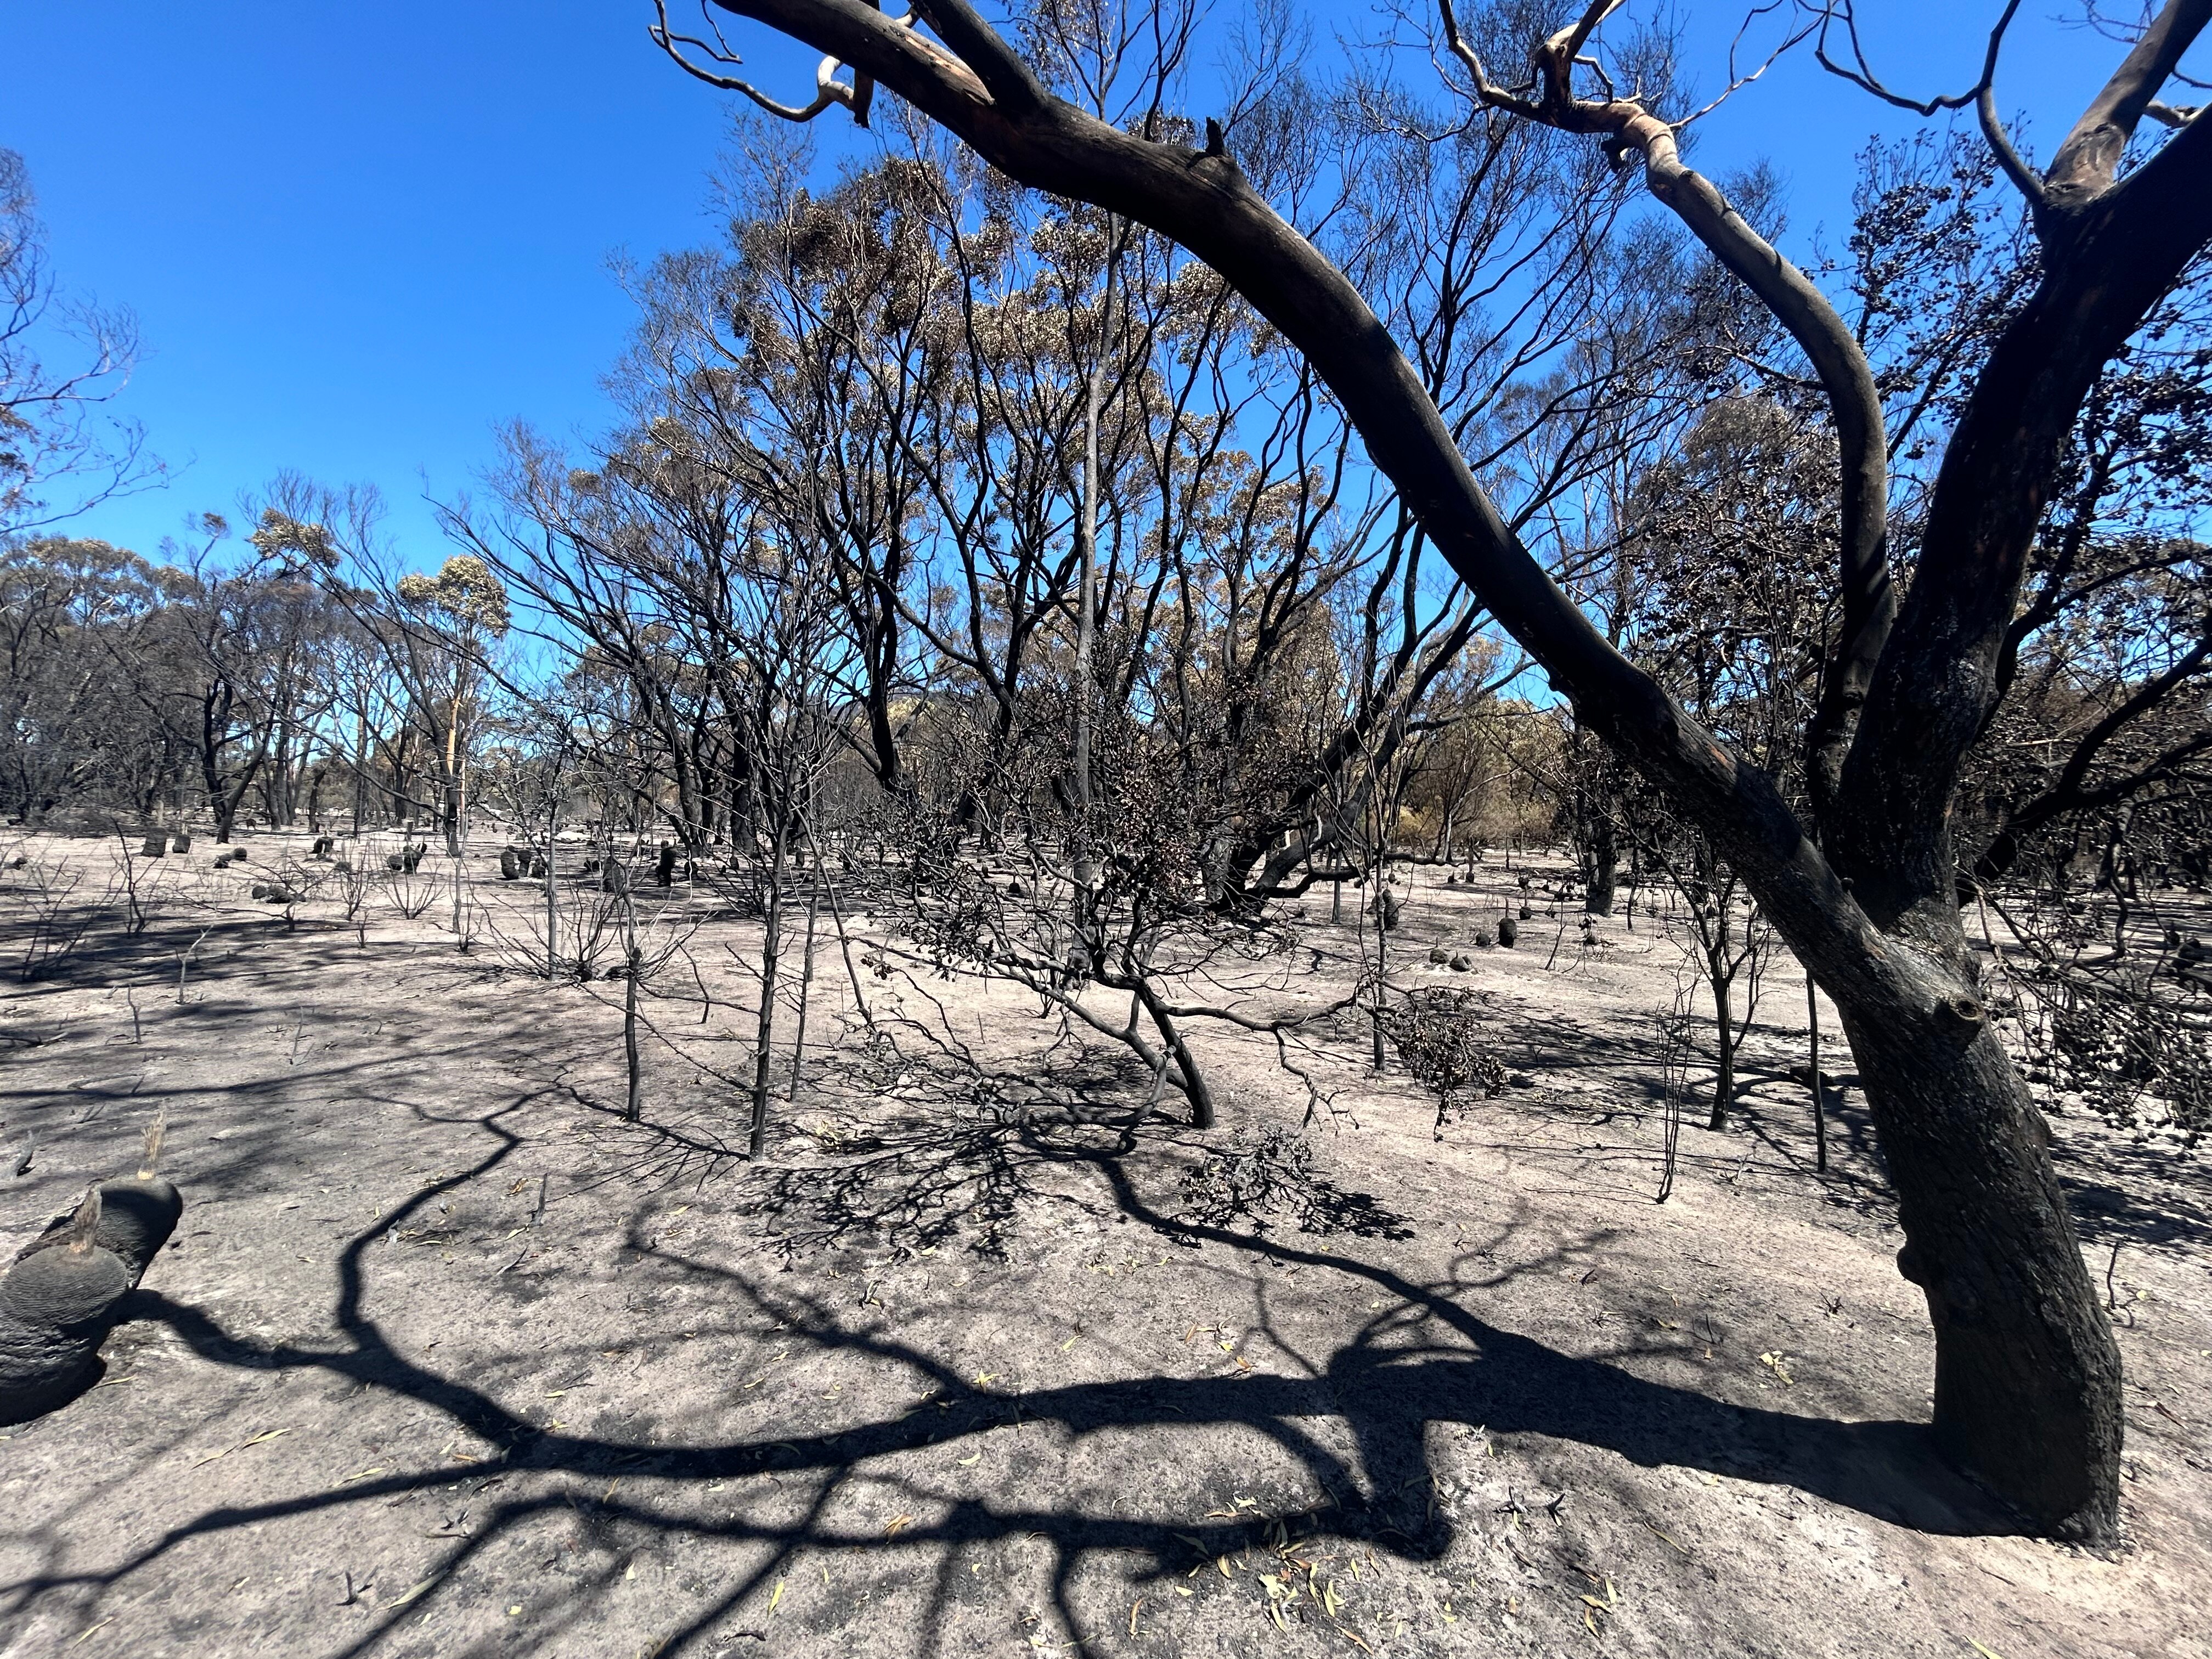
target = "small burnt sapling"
x: 1439, y: 1034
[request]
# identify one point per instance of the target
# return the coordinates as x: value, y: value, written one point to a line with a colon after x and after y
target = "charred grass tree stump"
x: 57, y: 1306
x: 58, y: 1301
x: 137, y: 1213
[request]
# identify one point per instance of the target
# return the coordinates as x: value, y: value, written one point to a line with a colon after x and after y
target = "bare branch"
x: 1981, y: 96
x: 1860, y: 71
x: 1737, y: 81
x: 1486, y: 90
x: 2001, y: 146
x: 827, y: 89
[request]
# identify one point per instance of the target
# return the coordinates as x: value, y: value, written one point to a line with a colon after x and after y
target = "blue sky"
x: 359, y: 239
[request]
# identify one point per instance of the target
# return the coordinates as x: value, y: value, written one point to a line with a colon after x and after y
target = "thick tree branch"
x: 2088, y: 159
x: 2109, y: 259
x: 1869, y: 597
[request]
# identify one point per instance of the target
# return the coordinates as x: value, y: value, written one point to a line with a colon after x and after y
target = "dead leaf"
x: 420, y: 1590
x: 258, y: 1439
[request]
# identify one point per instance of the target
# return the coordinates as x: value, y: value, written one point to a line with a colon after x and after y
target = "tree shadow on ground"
x: 1427, y: 1359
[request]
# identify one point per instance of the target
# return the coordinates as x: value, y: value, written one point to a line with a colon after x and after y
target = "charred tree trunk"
x: 2028, y: 1375
x: 1189, y: 1077
x: 1813, y: 1065
x: 1600, y: 866
x: 1724, y: 1021
x: 806, y: 978
x: 764, y: 1036
x: 634, y: 1100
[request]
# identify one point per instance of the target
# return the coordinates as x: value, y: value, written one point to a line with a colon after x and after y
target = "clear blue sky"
x: 360, y: 238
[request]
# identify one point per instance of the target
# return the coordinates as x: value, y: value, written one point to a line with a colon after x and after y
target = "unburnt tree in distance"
x: 1864, y: 886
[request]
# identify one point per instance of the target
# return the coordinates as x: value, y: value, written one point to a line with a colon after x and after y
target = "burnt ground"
x: 449, y: 1359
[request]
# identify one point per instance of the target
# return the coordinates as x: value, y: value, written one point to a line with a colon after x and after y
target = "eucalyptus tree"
x: 458, y: 614
x: 1863, y: 883
x: 231, y: 658
x: 71, y: 729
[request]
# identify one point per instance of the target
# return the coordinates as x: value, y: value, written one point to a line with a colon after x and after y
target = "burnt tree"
x: 2027, y: 1384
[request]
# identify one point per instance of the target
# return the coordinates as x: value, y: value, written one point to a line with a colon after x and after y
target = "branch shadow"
x: 1427, y: 1360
